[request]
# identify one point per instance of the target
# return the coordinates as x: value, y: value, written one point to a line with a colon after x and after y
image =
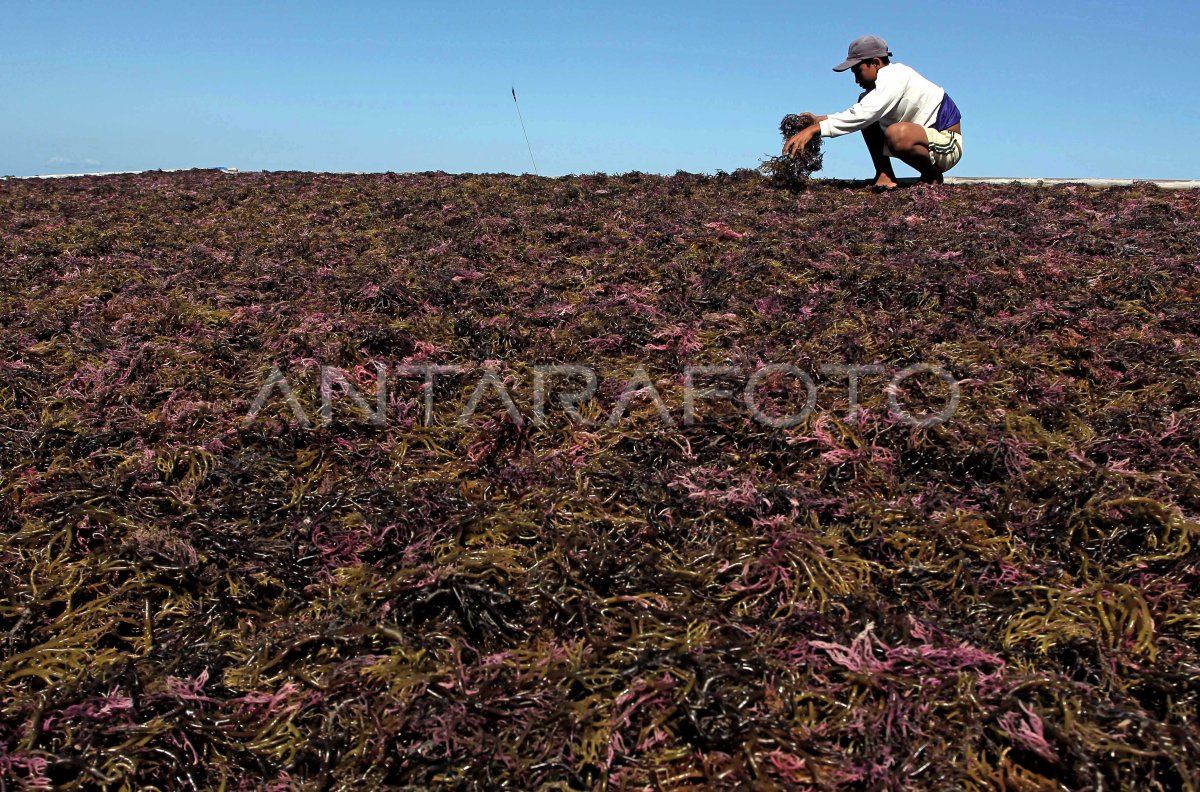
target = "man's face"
x: 865, y: 72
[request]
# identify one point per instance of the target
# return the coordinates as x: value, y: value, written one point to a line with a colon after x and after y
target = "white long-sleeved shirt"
x: 900, y: 94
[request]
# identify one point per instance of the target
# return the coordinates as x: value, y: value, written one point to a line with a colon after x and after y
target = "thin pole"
x: 523, y: 132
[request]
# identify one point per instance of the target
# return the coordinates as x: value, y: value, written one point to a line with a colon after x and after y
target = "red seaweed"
x: 625, y: 590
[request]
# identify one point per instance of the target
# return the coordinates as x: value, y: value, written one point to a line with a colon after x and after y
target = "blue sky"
x: 1064, y: 88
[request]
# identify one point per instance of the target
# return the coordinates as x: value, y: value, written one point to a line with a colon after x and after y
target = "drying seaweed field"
x: 859, y: 491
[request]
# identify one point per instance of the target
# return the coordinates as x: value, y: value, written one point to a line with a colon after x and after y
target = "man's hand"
x: 799, y: 141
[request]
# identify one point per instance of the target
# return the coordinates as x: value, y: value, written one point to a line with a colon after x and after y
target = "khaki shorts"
x: 945, y: 148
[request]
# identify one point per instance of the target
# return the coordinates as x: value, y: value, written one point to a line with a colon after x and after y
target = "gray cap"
x: 862, y: 49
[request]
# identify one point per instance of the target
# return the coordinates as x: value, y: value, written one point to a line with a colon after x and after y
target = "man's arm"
x: 869, y: 109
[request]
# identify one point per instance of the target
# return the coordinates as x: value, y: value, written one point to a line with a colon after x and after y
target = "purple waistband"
x: 948, y: 114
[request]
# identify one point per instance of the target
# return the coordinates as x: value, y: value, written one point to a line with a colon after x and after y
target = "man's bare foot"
x: 884, y: 183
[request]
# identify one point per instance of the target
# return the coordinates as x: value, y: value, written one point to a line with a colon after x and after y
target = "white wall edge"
x: 1166, y: 184
x: 116, y: 173
x: 1030, y: 181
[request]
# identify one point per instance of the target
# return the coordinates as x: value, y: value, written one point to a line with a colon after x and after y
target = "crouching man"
x: 900, y: 113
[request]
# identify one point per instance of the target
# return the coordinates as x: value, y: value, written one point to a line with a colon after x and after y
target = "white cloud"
x: 61, y: 160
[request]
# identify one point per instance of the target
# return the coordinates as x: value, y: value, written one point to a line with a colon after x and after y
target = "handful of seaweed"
x: 793, y: 172
x: 192, y: 599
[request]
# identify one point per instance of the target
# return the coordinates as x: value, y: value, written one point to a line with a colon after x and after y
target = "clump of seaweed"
x: 339, y: 594
x: 793, y: 173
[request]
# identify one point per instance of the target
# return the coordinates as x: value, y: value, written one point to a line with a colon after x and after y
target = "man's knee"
x: 905, y: 138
